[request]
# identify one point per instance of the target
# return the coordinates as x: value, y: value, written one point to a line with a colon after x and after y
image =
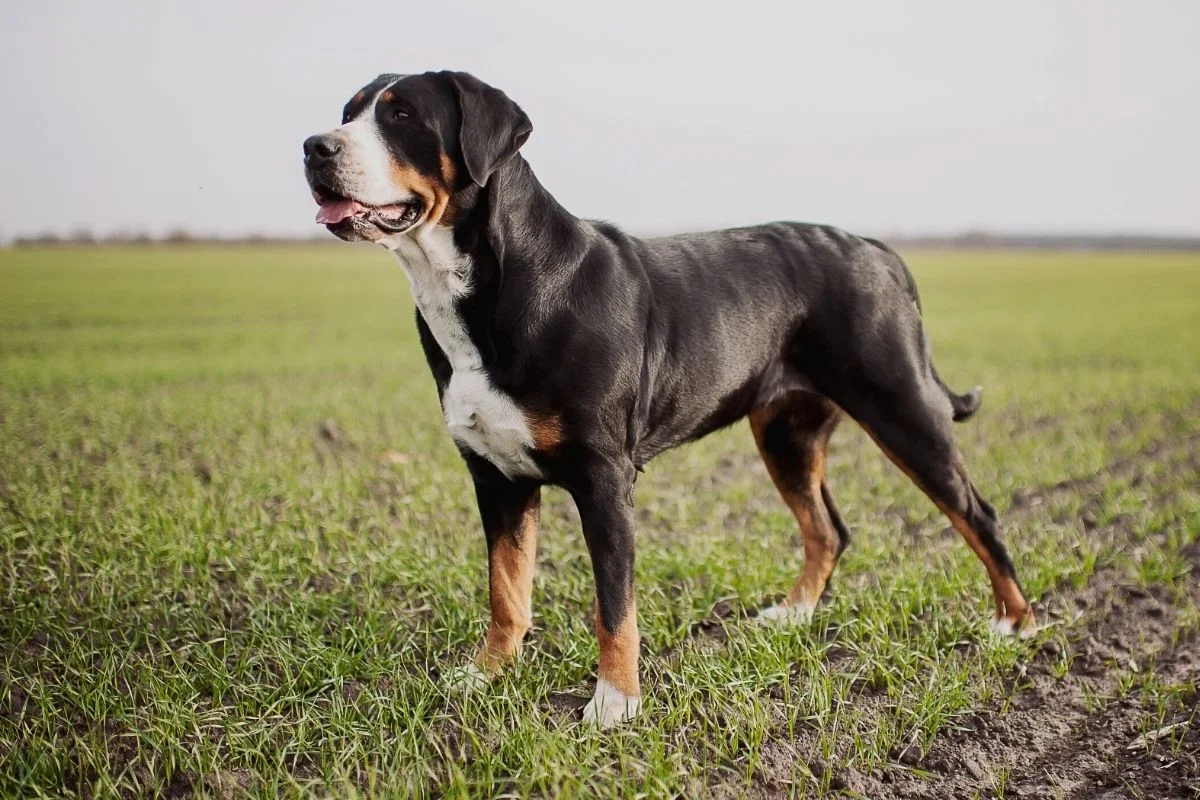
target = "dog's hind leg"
x: 792, y: 436
x: 910, y: 417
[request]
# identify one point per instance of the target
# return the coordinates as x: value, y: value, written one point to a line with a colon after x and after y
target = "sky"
x: 880, y: 117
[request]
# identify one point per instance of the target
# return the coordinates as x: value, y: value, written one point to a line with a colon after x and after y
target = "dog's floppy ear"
x: 492, y: 127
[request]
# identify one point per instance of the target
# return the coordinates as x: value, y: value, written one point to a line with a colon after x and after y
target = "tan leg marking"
x: 619, y: 652
x: 511, y: 580
x: 618, y: 695
x: 1011, y: 604
x: 802, y: 493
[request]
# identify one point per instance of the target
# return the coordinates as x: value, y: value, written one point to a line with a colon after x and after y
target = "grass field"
x: 239, y: 555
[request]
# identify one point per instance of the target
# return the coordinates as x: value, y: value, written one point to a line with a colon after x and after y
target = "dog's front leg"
x: 605, y: 502
x: 509, y: 512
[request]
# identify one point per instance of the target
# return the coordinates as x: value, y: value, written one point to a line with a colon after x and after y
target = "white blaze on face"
x: 366, y: 170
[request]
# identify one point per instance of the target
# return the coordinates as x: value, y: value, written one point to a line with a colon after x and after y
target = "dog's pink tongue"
x: 334, y: 211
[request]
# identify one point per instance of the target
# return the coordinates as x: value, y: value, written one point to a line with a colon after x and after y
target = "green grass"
x: 200, y: 591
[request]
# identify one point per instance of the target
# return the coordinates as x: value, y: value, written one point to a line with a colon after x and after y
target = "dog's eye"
x: 399, y: 114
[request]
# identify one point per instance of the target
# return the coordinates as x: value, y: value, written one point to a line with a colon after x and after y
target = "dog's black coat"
x: 641, y: 345
x: 637, y: 345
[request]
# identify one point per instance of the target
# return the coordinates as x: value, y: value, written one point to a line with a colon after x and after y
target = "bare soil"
x: 1064, y: 729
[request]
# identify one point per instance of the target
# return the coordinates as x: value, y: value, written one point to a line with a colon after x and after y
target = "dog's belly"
x: 487, y: 421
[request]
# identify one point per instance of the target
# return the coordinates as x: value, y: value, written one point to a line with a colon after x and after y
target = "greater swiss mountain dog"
x: 566, y: 352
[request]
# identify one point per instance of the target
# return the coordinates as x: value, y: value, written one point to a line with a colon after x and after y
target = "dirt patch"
x: 331, y: 432
x: 229, y: 784
x: 203, y: 471
x: 1065, y: 726
x: 1157, y: 771
x: 565, y: 707
x: 1070, y: 725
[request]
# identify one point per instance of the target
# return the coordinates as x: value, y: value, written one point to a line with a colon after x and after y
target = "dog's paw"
x: 610, y: 706
x: 786, y: 616
x: 470, y: 678
x: 1024, y: 628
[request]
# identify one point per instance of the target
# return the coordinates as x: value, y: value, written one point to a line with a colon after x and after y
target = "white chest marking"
x: 478, y: 415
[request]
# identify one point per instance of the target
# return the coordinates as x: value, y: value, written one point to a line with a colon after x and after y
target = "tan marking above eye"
x: 387, y: 97
x: 357, y: 98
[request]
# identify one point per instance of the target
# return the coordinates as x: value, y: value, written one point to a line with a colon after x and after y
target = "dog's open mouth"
x: 334, y: 209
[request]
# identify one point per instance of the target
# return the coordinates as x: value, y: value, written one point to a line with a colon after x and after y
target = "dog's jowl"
x: 566, y: 352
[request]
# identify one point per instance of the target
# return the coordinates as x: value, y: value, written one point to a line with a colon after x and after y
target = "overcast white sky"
x: 881, y: 117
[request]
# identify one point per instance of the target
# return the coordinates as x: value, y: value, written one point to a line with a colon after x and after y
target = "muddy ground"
x: 1068, y: 726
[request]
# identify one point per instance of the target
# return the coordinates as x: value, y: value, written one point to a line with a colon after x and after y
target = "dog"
x: 567, y: 352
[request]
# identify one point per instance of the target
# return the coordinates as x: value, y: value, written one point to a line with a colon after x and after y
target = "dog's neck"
x: 511, y: 242
x: 523, y: 218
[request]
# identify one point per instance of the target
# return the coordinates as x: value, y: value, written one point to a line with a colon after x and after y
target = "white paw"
x: 610, y: 706
x: 1002, y: 626
x: 786, y: 616
x: 470, y: 678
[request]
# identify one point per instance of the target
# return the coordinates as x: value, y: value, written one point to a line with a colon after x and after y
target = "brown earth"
x: 1053, y: 741
x: 1065, y: 729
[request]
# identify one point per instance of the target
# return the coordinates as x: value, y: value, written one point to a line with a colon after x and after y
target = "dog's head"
x: 407, y: 144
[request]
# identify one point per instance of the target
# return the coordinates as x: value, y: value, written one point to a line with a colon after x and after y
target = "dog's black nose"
x: 321, y: 148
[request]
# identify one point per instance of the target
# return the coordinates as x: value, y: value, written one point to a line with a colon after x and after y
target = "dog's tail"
x: 965, y: 405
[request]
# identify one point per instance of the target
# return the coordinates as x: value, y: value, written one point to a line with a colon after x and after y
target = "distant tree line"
x: 984, y: 240
x: 82, y: 237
